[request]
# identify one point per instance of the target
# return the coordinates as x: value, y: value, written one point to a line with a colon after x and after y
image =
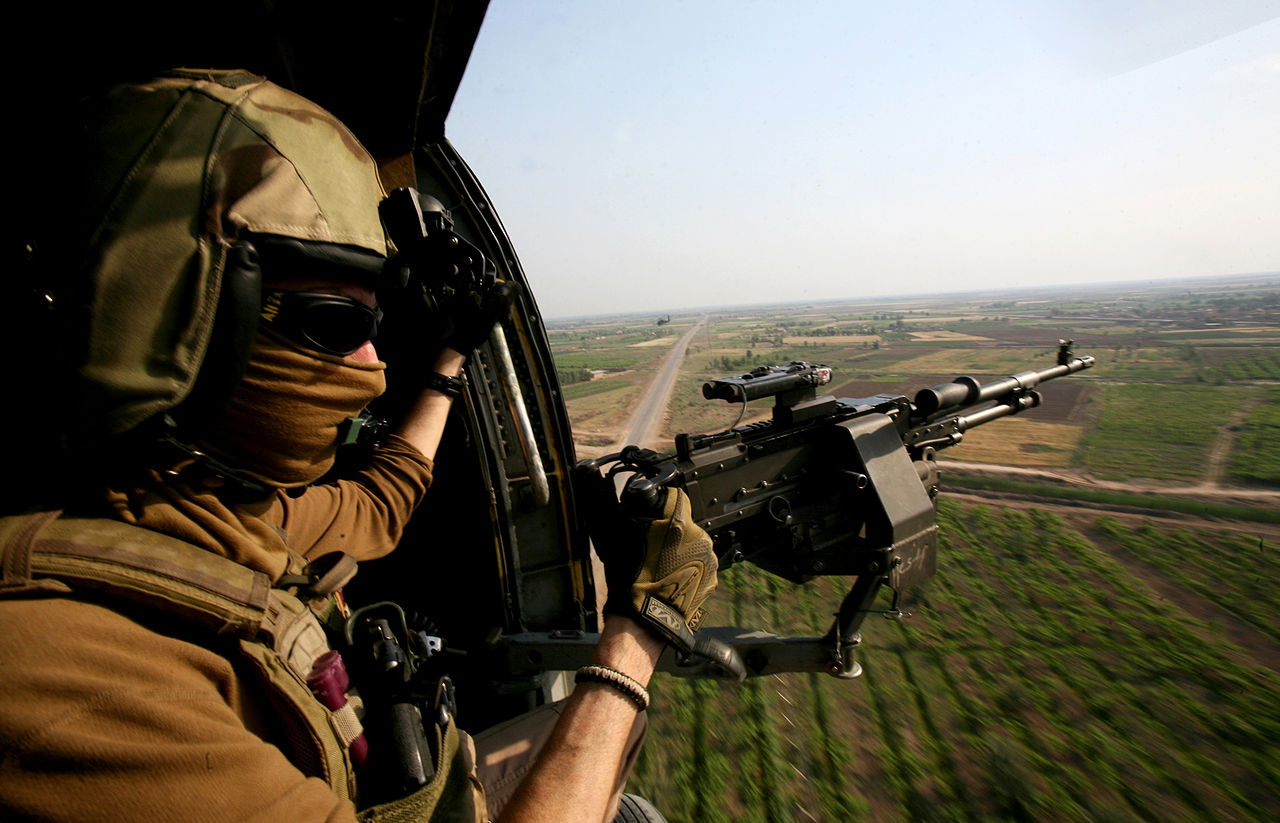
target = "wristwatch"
x: 451, y: 386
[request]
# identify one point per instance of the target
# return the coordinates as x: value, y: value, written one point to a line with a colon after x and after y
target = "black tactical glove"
x: 471, y: 317
x: 440, y: 288
x: 660, y: 568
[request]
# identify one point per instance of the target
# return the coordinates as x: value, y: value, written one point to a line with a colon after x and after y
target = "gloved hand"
x: 660, y: 569
x: 472, y: 317
x: 414, y: 329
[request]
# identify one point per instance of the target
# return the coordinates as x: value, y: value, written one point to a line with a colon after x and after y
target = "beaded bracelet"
x: 612, y: 677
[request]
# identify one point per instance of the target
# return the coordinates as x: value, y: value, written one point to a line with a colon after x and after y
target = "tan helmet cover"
x: 187, y: 164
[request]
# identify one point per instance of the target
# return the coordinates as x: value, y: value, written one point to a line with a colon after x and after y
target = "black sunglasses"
x: 328, y: 323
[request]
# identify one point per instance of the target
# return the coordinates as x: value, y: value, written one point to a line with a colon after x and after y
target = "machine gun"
x: 826, y: 487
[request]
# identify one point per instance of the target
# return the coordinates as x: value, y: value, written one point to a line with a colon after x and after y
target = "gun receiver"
x: 828, y: 486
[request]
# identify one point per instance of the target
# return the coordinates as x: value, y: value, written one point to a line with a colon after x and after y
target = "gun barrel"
x: 1030, y: 400
x: 963, y: 391
x: 967, y: 391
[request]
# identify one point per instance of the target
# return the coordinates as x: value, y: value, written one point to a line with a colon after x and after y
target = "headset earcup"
x: 234, y: 329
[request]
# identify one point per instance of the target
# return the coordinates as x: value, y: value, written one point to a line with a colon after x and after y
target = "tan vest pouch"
x: 454, y: 795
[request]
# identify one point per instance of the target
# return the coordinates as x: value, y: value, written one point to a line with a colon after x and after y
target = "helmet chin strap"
x: 183, y: 461
x: 234, y: 329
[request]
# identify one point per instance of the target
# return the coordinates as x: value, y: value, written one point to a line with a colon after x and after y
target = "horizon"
x: 1088, y: 291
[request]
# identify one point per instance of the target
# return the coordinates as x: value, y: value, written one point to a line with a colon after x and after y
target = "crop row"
x: 1235, y: 571
x: 1249, y: 364
x: 1117, y: 651
x: 1038, y: 679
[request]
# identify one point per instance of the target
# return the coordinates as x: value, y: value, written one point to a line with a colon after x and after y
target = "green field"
x: 1039, y: 678
x: 1248, y: 364
x: 580, y: 390
x: 606, y: 359
x: 1256, y: 457
x: 1162, y: 432
x: 1234, y: 571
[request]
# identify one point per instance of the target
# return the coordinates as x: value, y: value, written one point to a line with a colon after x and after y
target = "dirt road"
x: 1206, y: 490
x: 1081, y: 512
x: 646, y: 421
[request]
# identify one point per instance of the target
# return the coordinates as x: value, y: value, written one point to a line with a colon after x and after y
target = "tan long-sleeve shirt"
x: 107, y: 715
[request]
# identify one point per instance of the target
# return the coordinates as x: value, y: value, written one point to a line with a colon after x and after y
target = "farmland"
x: 1186, y: 379
x: 1100, y: 642
x: 1039, y: 677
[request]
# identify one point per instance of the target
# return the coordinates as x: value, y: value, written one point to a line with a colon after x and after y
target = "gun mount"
x: 828, y: 486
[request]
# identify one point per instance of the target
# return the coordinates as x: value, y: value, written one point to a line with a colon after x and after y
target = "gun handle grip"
x: 721, y: 655
x: 642, y: 496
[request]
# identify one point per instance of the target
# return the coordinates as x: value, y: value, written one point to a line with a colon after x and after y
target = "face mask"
x: 282, y: 425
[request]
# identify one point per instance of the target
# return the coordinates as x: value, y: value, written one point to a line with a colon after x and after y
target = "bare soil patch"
x: 982, y: 360
x: 1020, y: 440
x: 831, y: 340
x: 949, y: 336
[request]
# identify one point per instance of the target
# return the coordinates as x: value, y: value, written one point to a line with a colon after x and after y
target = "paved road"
x: 645, y: 423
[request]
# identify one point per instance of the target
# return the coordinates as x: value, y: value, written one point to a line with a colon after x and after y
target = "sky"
x: 660, y: 156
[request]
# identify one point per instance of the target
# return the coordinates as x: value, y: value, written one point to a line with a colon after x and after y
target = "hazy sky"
x: 657, y: 156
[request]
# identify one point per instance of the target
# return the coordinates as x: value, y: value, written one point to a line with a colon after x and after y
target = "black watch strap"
x: 451, y: 386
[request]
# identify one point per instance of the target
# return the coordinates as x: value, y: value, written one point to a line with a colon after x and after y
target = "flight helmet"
x: 193, y: 184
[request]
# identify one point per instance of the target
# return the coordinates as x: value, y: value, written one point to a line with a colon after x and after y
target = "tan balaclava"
x: 284, y: 422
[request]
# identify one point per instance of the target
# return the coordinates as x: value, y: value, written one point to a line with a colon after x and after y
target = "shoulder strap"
x: 46, y: 554
x: 135, y: 564
x: 17, y: 534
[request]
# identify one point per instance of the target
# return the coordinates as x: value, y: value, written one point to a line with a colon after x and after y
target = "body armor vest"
x: 227, y: 606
